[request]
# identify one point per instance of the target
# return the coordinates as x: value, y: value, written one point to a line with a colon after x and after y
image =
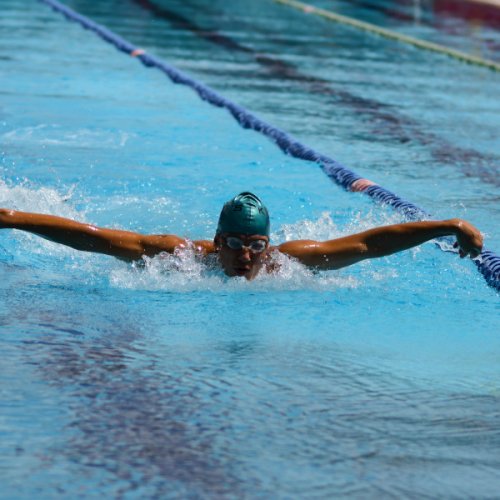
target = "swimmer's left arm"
x: 382, y: 241
x: 125, y: 245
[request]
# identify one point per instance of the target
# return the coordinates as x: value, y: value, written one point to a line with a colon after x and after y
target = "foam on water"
x: 56, y: 135
x: 324, y: 228
x: 183, y: 272
x: 26, y: 197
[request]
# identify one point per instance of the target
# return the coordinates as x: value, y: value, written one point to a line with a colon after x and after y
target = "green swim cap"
x: 244, y: 214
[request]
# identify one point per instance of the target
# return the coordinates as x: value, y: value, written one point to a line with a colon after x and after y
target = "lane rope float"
x: 487, y: 263
x: 393, y: 35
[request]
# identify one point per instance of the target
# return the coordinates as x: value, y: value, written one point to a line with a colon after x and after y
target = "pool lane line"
x: 397, y: 126
x: 487, y: 263
x: 392, y: 35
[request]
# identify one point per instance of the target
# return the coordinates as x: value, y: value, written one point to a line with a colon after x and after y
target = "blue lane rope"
x: 488, y: 263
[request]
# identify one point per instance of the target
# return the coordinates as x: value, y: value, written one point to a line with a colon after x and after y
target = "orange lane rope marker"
x: 360, y: 185
x: 137, y: 52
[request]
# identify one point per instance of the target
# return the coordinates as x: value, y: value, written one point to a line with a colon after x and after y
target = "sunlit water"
x: 171, y: 380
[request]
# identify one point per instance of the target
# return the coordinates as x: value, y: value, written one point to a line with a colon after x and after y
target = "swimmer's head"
x: 244, y: 214
x: 242, y: 237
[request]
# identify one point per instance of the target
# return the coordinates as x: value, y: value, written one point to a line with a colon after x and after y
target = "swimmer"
x: 242, y: 243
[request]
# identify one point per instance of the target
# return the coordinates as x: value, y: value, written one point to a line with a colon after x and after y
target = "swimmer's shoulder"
x: 205, y: 247
x: 169, y: 243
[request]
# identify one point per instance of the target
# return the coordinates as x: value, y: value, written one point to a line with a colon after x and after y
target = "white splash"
x: 28, y: 198
x: 184, y: 271
x: 325, y: 228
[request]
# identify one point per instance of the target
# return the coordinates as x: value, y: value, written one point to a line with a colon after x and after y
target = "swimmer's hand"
x: 469, y: 239
x: 4, y: 213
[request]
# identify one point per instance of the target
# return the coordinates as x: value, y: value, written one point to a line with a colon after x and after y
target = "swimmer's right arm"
x: 383, y: 241
x: 125, y: 245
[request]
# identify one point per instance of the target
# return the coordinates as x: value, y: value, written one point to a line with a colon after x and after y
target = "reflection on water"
x: 140, y: 424
x: 230, y: 417
x: 131, y: 416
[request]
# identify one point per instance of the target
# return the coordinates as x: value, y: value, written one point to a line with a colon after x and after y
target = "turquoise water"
x: 172, y: 381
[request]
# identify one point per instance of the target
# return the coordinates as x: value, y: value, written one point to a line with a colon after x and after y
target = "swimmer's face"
x: 241, y: 255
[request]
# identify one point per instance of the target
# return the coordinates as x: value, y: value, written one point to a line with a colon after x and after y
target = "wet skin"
x: 325, y: 255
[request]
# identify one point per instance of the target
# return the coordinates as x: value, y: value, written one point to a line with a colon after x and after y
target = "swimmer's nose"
x: 244, y: 255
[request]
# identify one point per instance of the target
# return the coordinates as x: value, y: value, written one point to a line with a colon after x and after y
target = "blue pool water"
x: 172, y: 381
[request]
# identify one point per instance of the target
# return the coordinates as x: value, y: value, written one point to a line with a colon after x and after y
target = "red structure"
x: 472, y: 10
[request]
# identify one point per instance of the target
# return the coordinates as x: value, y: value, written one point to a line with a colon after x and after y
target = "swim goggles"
x: 255, y: 246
